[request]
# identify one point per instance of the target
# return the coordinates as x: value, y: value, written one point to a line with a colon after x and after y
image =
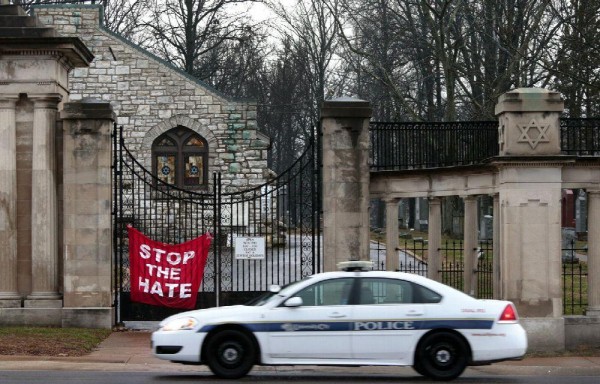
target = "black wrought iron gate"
x: 285, y: 212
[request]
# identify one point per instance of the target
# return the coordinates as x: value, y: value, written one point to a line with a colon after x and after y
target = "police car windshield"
x: 268, y: 296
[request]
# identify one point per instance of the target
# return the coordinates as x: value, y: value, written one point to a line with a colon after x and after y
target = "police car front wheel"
x: 230, y: 354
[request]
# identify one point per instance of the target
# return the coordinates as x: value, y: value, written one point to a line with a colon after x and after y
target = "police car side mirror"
x: 295, y: 301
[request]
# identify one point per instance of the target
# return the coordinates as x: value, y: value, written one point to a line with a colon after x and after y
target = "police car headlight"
x: 180, y: 324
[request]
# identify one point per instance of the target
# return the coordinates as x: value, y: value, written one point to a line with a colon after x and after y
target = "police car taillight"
x: 509, y: 314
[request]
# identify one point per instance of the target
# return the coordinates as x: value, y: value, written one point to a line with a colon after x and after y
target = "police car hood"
x: 234, y: 313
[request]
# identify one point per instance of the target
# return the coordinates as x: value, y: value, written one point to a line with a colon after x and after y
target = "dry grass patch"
x: 46, y: 341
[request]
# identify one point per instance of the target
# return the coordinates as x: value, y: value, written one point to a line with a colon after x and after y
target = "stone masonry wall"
x: 150, y: 97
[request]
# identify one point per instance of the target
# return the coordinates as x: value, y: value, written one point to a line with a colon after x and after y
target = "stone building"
x: 152, y: 98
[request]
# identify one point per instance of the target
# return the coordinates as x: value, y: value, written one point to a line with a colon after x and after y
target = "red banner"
x: 166, y: 275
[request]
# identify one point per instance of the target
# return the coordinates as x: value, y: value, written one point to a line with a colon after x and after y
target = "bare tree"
x: 389, y: 49
x: 237, y: 67
x: 446, y: 59
x: 187, y: 32
x: 311, y: 25
x: 577, y: 71
x: 503, y: 44
x: 450, y: 59
x: 126, y: 17
x: 286, y: 104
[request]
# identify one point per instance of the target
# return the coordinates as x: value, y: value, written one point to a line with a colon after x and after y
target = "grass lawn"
x: 46, y: 341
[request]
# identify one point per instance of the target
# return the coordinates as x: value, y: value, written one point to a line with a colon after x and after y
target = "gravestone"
x: 568, y: 244
x: 486, y: 228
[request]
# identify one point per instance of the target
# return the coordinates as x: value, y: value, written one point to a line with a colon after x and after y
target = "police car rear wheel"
x: 441, y: 356
x: 230, y: 354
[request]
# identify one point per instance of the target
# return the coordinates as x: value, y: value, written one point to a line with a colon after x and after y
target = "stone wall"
x: 150, y: 97
x: 581, y: 332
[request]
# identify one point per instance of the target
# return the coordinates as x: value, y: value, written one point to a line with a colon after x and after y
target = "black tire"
x: 441, y: 356
x: 419, y: 368
x: 230, y: 354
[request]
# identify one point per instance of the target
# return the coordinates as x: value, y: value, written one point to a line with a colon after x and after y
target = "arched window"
x: 180, y: 157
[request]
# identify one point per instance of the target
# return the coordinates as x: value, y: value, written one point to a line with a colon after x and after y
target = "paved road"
x: 318, y: 375
x: 125, y: 357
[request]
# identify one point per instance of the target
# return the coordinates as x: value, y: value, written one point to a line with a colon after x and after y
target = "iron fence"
x: 283, y: 215
x: 580, y: 137
x: 574, y: 279
x: 452, y: 263
x: 404, y: 145
x: 413, y: 253
x: 377, y: 250
x: 485, y: 270
x: 164, y: 213
x: 400, y: 146
x: 453, y: 267
x: 413, y: 256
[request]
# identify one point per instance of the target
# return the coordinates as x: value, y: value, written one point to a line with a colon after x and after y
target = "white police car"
x: 351, y: 317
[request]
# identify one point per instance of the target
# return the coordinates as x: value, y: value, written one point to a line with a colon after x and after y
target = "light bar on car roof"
x: 355, y: 265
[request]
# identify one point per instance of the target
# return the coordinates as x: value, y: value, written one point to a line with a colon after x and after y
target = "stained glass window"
x: 195, y: 142
x: 165, y: 165
x: 193, y: 170
x: 179, y: 157
x: 165, y: 142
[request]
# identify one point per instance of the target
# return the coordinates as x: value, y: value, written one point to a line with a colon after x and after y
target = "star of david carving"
x: 526, y: 137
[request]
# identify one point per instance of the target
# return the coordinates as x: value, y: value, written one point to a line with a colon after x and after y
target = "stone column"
x: 391, y: 234
x: 497, y: 272
x: 593, y: 308
x: 470, y: 246
x: 44, y: 242
x: 9, y: 296
x: 345, y: 126
x: 530, y: 182
x: 434, y: 260
x: 87, y: 197
x: 530, y: 176
x: 417, y: 217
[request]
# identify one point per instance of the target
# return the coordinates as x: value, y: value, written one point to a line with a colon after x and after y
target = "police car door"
x: 319, y: 329
x: 386, y: 321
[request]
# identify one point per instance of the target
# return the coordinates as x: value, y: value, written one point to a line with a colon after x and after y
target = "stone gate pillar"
x: 44, y: 220
x: 87, y: 208
x: 345, y: 129
x: 496, y: 268
x: 593, y: 308
x: 34, y: 67
x: 9, y: 296
x: 529, y: 187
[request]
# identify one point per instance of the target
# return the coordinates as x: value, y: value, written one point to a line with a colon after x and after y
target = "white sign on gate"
x: 250, y: 248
